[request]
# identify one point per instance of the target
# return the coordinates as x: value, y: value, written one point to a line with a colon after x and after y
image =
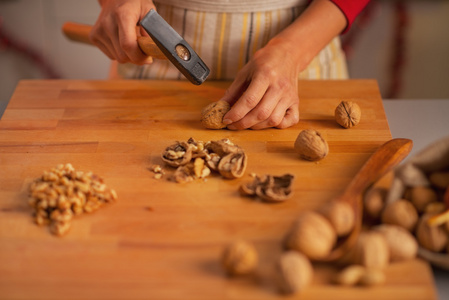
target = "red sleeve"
x: 351, y: 9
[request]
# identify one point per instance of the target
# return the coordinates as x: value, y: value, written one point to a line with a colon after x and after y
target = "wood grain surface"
x: 163, y: 240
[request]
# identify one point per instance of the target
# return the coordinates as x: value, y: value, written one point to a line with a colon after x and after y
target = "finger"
x: 275, y: 118
x: 261, y: 113
x: 127, y: 38
x: 249, y: 99
x: 291, y: 117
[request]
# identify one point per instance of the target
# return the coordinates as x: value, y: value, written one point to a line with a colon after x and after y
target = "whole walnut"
x: 374, y: 202
x: 402, y: 213
x: 433, y: 238
x: 238, y: 258
x: 421, y: 196
x: 371, y: 250
x: 311, y: 145
x: 348, y: 114
x: 312, y: 234
x: 341, y: 216
x: 294, y: 272
x: 401, y: 243
x: 212, y: 115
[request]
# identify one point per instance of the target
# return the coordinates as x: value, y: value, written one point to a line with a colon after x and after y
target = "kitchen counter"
x: 424, y: 121
x: 163, y: 240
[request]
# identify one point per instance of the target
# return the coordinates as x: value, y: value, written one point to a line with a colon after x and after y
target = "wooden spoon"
x: 380, y: 163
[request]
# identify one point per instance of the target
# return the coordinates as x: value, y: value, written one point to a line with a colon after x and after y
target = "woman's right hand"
x: 115, y: 33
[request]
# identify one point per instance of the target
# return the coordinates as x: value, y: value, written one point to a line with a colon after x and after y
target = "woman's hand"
x: 265, y: 91
x: 115, y: 32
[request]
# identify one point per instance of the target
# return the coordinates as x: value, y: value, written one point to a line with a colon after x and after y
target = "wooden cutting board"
x: 162, y: 240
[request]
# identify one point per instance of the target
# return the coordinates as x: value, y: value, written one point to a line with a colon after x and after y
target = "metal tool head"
x: 175, y: 48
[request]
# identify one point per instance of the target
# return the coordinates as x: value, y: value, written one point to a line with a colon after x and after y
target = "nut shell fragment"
x: 269, y: 188
x: 212, y: 115
x: 233, y: 165
x: 178, y: 154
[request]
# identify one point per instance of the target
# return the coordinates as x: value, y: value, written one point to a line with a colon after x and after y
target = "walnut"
x: 440, y: 179
x: 341, y: 215
x: 421, y: 196
x: 312, y: 234
x: 348, y: 114
x: 433, y: 238
x: 371, y: 250
x: 374, y: 202
x: 401, y: 243
x: 402, y: 213
x: 294, y: 272
x: 269, y: 188
x: 178, y: 154
x: 62, y: 193
x: 239, y: 258
x: 212, y: 115
x: 311, y: 145
x: 233, y: 165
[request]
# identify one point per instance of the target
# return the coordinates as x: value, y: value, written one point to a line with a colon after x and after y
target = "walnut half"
x: 269, y: 188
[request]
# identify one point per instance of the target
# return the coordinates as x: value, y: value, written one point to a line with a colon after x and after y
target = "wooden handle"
x: 80, y: 33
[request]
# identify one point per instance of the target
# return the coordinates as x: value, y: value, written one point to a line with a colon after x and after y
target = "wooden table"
x: 162, y: 240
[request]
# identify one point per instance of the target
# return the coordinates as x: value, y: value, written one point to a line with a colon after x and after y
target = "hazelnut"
x: 313, y: 235
x: 212, y: 115
x: 294, y: 272
x: 239, y: 258
x: 371, y: 250
x: 433, y: 238
x: 421, y: 196
x: 350, y: 275
x: 401, y: 243
x: 341, y: 216
x: 311, y: 145
x: 401, y: 213
x: 348, y: 114
x: 374, y: 202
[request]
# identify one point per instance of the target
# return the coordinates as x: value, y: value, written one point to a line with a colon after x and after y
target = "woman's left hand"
x: 264, y: 93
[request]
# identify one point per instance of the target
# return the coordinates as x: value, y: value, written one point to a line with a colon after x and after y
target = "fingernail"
x: 227, y: 121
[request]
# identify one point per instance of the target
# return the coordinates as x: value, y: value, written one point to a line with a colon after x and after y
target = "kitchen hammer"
x: 165, y: 43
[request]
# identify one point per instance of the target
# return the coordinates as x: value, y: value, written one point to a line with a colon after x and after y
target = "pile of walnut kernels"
x: 62, y: 193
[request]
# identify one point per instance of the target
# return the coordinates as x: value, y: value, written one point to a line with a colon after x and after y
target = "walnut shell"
x: 294, y: 272
x: 178, y: 154
x: 401, y: 243
x: 341, y: 216
x: 312, y: 234
x: 372, y: 277
x: 233, y: 165
x: 433, y: 238
x: 402, y: 213
x: 212, y: 115
x: 311, y: 145
x: 269, y: 188
x: 238, y: 258
x: 348, y: 114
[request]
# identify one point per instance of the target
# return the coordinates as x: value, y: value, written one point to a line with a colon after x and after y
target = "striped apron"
x: 227, y: 40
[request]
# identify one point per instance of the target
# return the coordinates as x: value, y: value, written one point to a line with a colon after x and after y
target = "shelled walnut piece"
x: 196, y: 159
x: 62, y: 193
